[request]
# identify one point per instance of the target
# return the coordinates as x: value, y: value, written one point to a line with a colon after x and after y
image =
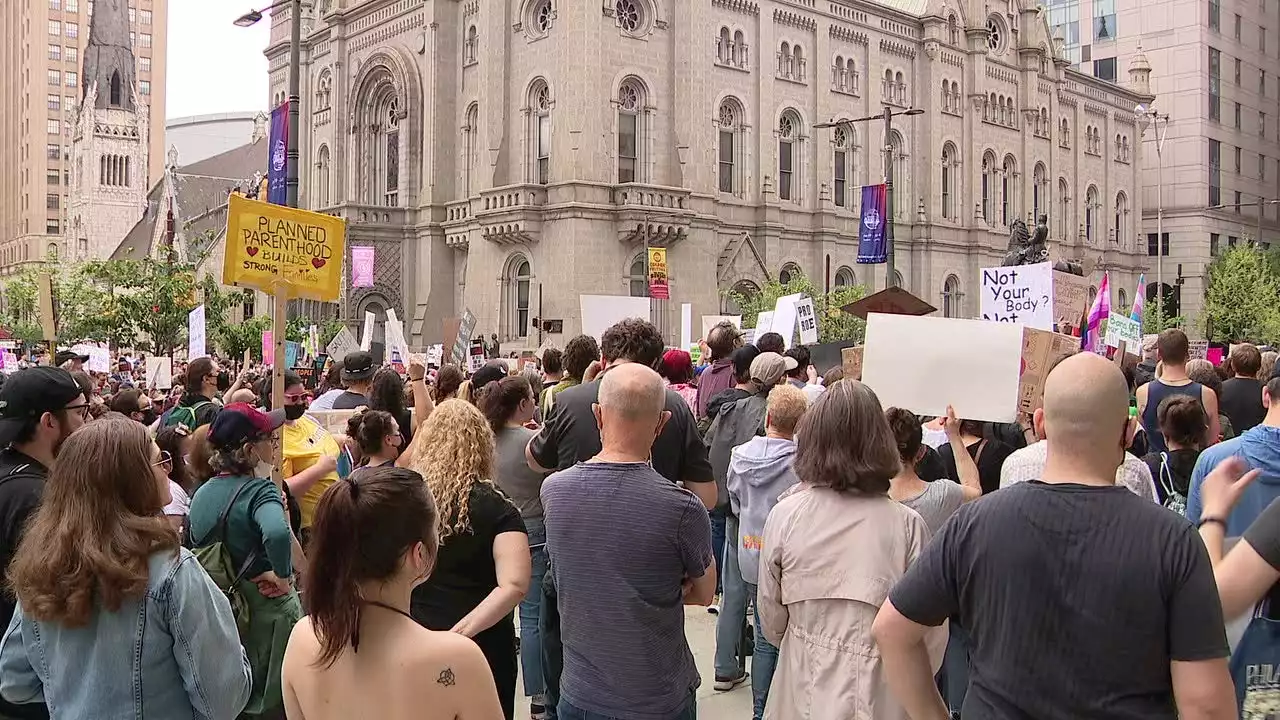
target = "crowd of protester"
x: 395, y: 539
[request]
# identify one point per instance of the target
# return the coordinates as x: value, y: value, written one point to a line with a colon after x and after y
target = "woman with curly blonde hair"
x: 482, y: 570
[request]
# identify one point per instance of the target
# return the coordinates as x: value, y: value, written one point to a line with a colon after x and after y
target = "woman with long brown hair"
x: 359, y: 653
x: 482, y: 572
x: 100, y: 571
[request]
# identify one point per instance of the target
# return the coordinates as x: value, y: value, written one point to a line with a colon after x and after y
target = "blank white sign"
x: 600, y: 312
x: 924, y: 364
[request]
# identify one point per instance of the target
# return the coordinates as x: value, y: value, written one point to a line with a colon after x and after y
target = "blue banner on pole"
x: 872, y: 247
x: 277, y: 170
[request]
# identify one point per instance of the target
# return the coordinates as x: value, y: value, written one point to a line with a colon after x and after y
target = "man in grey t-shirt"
x: 628, y: 550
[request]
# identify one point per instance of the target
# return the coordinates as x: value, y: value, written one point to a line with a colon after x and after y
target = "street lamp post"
x: 1154, y: 119
x: 887, y: 117
x: 295, y: 88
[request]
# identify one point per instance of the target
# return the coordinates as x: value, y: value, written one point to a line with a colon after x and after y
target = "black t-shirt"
x: 21, y: 487
x: 930, y: 468
x: 992, y: 459
x: 1263, y: 535
x: 570, y: 436
x: 1077, y: 598
x: 465, y: 574
x: 1181, y: 464
x: 350, y: 401
x: 404, y: 420
x: 1241, y: 401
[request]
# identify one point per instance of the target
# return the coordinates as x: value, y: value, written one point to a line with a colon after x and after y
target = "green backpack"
x: 183, y: 415
x: 215, y: 558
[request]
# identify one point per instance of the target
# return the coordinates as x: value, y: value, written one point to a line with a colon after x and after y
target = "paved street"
x: 700, y: 626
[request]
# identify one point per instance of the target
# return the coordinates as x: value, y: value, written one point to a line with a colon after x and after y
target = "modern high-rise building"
x: 57, y: 54
x: 1215, y: 72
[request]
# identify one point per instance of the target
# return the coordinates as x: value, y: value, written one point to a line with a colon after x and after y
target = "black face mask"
x: 293, y: 412
x: 224, y: 381
x: 149, y: 416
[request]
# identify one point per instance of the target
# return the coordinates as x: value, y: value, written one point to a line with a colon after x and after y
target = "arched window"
x: 950, y: 191
x: 1064, y: 134
x: 1090, y: 211
x: 116, y: 90
x: 1117, y: 151
x: 471, y: 150
x: 844, y: 277
x: 840, y: 166
x: 738, y: 50
x: 897, y: 280
x: 638, y: 277
x: 1039, y: 191
x: 517, y: 289
x: 730, y: 129
x: 382, y: 109
x: 1093, y: 293
x: 784, y: 60
x: 900, y: 86
x: 102, y: 169
x: 789, y: 273
x: 1124, y: 300
x: 1008, y: 191
x: 851, y: 73
x: 901, y: 175
x: 540, y: 132
x: 631, y: 105
x: 744, y: 289
x: 788, y: 155
x: 839, y: 79
x: 888, y: 86
x: 128, y: 174
x: 724, y: 52
x: 471, y: 46
x: 988, y: 184
x: 797, y: 54
x: 946, y: 95
x: 1064, y: 208
x: 951, y: 297
x: 1122, y: 212
x: 953, y: 30
x: 322, y: 176
x: 323, y: 86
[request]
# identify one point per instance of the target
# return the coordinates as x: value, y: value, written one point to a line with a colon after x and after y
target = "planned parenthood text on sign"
x: 1021, y: 294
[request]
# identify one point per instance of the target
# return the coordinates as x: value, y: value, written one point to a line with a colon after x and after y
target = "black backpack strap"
x: 221, y: 526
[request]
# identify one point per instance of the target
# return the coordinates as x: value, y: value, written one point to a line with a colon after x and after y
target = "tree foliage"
x: 1242, y: 297
x: 834, y: 324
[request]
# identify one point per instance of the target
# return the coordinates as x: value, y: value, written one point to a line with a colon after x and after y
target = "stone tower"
x: 109, y: 143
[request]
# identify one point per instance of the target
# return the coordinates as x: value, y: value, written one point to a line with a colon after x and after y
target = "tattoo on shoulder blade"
x: 446, y: 677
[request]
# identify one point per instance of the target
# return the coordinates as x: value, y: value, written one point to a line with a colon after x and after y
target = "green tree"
x: 83, y: 307
x: 235, y: 338
x: 1241, y: 298
x: 834, y: 324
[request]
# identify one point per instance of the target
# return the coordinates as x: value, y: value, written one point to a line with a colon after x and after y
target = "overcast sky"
x: 214, y: 66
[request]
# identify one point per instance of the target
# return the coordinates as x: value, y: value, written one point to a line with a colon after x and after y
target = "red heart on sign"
x: 317, y: 262
x: 252, y: 251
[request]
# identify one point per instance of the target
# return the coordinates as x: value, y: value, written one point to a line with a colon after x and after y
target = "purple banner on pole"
x: 872, y: 247
x: 277, y: 170
x: 361, y: 266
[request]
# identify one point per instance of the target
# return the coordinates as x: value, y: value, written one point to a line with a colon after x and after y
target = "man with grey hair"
x: 628, y: 549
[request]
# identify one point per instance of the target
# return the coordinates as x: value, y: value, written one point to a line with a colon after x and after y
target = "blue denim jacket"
x: 173, y: 654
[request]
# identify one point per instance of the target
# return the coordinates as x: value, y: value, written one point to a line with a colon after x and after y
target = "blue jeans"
x: 718, y: 516
x: 567, y: 711
x: 764, y: 659
x: 733, y: 607
x: 953, y: 677
x: 531, y: 609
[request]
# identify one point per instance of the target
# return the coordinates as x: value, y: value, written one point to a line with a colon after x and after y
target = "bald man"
x: 1083, y: 600
x: 628, y: 548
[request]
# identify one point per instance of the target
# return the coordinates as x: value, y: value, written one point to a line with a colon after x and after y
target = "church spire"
x: 108, y: 59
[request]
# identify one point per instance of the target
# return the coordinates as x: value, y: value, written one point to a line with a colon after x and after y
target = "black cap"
x: 492, y: 371
x: 358, y: 365
x: 240, y: 423
x: 67, y: 355
x: 28, y: 394
x: 742, y: 358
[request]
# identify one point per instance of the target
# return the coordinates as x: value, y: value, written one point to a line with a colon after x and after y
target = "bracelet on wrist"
x: 1212, y: 521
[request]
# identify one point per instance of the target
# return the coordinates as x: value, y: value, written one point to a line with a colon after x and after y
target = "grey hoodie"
x: 759, y: 471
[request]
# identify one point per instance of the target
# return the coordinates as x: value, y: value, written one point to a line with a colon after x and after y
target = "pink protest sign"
x: 268, y: 348
x: 1214, y: 355
x: 361, y: 266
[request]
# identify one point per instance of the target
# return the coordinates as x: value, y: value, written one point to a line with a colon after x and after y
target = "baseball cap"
x: 742, y: 359
x: 490, y: 372
x: 66, y: 355
x: 358, y: 365
x: 769, y: 368
x: 28, y: 394
x: 239, y: 423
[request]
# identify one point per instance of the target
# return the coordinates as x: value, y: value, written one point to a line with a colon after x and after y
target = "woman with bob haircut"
x: 114, y: 618
x: 833, y: 546
x: 482, y: 572
x: 359, y: 653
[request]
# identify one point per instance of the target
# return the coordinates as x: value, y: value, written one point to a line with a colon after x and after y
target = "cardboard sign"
x: 601, y: 312
x: 851, y: 362
x: 710, y: 321
x: 476, y: 359
x: 397, y: 346
x: 1020, y: 294
x: 924, y: 364
x: 292, y: 353
x: 1041, y: 350
x: 366, y: 335
x: 44, y: 294
x: 808, y: 321
x: 1198, y: 350
x: 269, y: 245
x: 434, y: 355
x: 1070, y: 297
x: 1122, y: 327
x: 159, y: 373
x: 462, y: 343
x: 342, y: 344
x: 268, y: 348
x: 195, y: 334
x: 764, y: 323
x: 308, y: 375
x: 784, y: 318
x: 99, y: 360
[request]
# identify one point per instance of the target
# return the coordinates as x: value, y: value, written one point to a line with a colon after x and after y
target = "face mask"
x: 293, y: 412
x: 149, y: 416
x: 224, y: 381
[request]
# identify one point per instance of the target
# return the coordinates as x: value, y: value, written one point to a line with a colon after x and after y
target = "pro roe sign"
x: 1021, y: 294
x: 269, y: 245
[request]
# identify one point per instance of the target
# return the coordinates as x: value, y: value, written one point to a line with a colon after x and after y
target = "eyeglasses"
x: 300, y: 397
x: 165, y: 459
x: 82, y: 410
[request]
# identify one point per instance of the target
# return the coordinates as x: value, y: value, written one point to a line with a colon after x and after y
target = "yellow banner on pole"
x: 280, y: 249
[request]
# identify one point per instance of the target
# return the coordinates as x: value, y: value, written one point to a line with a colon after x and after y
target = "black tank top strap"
x: 385, y: 606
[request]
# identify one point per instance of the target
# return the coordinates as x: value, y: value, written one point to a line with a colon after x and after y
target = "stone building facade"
x: 508, y: 156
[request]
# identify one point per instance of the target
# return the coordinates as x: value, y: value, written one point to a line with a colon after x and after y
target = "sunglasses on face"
x: 296, y: 399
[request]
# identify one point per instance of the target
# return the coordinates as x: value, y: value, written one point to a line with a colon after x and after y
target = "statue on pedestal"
x: 1026, y: 248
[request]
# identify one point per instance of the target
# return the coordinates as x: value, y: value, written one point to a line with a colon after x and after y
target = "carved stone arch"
x: 389, y: 70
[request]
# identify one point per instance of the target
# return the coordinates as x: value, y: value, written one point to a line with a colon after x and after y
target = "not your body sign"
x: 1021, y: 294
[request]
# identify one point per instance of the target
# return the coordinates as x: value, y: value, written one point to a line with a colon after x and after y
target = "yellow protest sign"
x: 274, y: 248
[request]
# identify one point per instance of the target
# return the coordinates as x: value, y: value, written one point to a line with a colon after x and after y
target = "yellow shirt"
x: 305, y: 441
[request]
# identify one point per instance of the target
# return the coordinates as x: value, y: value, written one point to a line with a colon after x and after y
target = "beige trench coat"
x: 828, y: 563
